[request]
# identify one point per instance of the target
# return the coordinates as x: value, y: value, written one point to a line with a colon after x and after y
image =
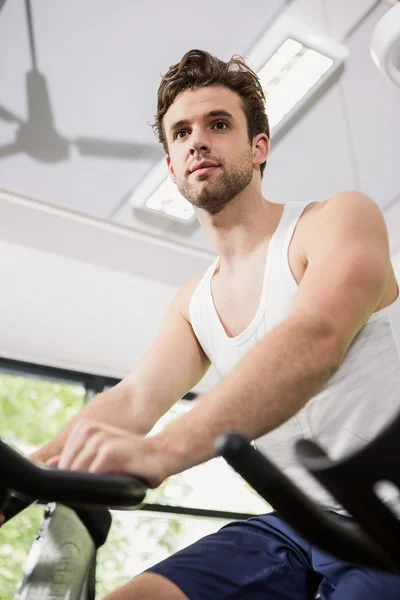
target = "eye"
x: 179, y: 135
x: 221, y: 125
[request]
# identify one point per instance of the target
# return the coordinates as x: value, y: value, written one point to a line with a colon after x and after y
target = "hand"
x: 95, y: 447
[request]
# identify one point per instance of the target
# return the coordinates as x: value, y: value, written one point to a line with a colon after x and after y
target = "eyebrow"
x: 212, y: 113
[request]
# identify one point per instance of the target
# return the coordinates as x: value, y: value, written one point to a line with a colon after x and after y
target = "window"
x: 213, y: 485
x: 35, y: 404
x: 32, y: 410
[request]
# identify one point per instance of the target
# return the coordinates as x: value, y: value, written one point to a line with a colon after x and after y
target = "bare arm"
x: 344, y: 283
x: 169, y: 369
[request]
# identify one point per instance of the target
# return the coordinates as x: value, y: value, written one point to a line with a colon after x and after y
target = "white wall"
x: 61, y: 311
x: 93, y: 314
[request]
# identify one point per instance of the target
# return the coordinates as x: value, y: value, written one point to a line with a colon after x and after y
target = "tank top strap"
x: 198, y: 301
x: 281, y: 274
x: 290, y: 218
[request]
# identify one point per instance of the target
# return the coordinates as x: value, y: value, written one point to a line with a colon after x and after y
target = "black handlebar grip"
x: 12, y: 506
x: 342, y: 539
x: 31, y: 482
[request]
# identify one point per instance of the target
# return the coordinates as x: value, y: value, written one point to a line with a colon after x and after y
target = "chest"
x: 237, y: 297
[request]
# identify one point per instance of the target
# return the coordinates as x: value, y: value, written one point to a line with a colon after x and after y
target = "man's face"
x: 210, y: 156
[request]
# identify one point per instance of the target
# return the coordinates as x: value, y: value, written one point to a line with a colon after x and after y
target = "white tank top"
x: 351, y: 408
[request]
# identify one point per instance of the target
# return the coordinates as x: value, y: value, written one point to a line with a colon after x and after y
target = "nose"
x: 199, y: 143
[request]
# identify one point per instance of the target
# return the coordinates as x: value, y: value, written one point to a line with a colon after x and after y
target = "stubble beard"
x: 229, y: 183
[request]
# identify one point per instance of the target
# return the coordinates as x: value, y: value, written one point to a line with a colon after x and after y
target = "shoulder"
x: 348, y: 217
x: 185, y: 294
x: 350, y: 202
x: 347, y: 209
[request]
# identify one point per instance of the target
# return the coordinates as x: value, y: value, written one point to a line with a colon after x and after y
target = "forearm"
x: 115, y: 406
x: 270, y: 385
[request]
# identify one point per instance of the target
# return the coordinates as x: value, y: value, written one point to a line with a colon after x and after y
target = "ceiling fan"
x: 38, y: 136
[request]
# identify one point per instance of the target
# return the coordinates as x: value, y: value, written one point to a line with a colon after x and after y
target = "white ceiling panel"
x: 342, y: 16
x: 314, y: 159
x: 372, y: 104
x: 100, y: 61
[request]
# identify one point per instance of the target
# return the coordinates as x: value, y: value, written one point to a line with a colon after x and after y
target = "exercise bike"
x: 62, y: 561
x: 371, y: 538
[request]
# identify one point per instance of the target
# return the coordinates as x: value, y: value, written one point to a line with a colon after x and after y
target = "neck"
x: 241, y: 227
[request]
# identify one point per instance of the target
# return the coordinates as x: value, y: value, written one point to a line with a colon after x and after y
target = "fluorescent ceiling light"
x: 294, y: 74
x: 300, y: 67
x: 167, y: 200
x: 158, y: 195
x: 288, y: 76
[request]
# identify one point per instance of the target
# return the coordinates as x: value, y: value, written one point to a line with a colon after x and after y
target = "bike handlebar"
x: 343, y: 539
x: 22, y: 482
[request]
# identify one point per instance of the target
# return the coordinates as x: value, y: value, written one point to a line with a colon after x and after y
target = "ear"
x: 261, y: 148
x: 170, y: 168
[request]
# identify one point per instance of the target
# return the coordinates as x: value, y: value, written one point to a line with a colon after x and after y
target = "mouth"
x: 204, y: 170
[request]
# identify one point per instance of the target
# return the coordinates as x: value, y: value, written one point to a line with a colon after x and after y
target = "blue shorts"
x: 264, y: 559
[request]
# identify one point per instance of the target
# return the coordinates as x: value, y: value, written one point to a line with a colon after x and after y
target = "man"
x: 295, y: 316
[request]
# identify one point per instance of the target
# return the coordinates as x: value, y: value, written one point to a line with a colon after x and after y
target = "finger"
x: 113, y: 457
x: 69, y: 454
x: 53, y: 461
x: 84, y: 459
x: 74, y: 444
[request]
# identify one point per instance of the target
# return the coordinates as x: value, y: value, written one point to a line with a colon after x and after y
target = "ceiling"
x: 99, y: 63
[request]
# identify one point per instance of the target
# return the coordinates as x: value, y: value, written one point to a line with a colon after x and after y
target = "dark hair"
x: 201, y: 69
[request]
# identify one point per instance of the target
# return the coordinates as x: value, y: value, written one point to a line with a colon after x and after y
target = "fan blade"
x: 38, y: 97
x: 115, y: 148
x: 9, y: 149
x: 8, y: 116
